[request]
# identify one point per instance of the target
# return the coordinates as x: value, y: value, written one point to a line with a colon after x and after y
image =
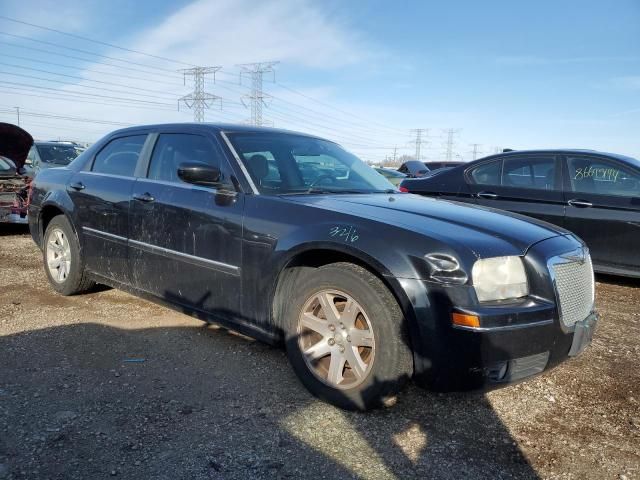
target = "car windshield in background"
x: 57, y: 154
x: 281, y: 163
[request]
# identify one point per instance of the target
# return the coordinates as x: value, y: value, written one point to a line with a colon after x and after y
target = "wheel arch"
x: 317, y: 256
x: 47, y: 213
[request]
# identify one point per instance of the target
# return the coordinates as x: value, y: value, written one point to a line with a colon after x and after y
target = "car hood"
x: 15, y: 143
x: 486, y: 231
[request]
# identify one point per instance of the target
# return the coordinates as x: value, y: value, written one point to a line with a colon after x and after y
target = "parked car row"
x: 288, y: 238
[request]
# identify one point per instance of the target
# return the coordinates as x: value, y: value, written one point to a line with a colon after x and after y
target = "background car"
x: 413, y: 169
x: 433, y: 166
x: 44, y: 155
x: 594, y: 194
x: 14, y: 180
x: 394, y: 176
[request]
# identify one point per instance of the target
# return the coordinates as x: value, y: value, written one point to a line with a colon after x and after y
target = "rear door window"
x: 537, y: 172
x: 119, y: 156
x: 602, y: 177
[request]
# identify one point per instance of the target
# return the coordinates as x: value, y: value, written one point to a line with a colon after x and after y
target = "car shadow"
x: 9, y: 229
x: 89, y: 400
x: 618, y: 280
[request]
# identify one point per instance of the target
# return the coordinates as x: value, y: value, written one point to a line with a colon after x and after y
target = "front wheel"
x: 63, y: 260
x: 346, y: 337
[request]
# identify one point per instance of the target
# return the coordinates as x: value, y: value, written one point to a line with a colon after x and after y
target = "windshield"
x: 281, y: 163
x: 57, y: 154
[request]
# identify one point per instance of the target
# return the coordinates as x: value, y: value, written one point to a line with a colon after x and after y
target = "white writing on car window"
x: 606, y: 174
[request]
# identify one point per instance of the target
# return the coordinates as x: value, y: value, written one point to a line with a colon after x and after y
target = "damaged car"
x: 14, y: 178
x: 365, y: 286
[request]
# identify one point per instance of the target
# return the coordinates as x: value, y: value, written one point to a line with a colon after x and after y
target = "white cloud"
x: 227, y: 32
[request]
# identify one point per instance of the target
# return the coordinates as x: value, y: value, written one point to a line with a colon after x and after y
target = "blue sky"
x: 504, y: 73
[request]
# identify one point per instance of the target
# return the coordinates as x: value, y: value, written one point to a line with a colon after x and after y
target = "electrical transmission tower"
x: 419, y: 141
x: 257, y: 98
x: 198, y: 100
x: 450, y: 144
x: 476, y: 150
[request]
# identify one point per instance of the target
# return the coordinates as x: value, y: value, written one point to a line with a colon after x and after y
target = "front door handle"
x: 144, y: 197
x: 77, y: 186
x: 580, y: 204
x: 489, y: 195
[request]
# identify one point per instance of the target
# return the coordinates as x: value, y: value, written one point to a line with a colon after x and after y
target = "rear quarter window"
x: 119, y: 156
x: 487, y: 173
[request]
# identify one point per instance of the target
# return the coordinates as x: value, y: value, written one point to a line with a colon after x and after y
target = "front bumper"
x: 515, y: 339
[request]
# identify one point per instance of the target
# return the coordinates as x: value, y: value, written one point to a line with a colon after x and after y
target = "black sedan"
x: 366, y: 286
x: 595, y: 195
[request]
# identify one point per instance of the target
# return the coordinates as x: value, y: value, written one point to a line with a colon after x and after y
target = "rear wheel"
x: 346, y: 338
x: 63, y: 260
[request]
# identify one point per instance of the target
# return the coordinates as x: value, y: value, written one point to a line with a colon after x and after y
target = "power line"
x: 86, y: 52
x: 87, y: 80
x: 100, y: 72
x: 92, y: 40
x: 257, y: 96
x: 198, y: 100
x: 92, y: 60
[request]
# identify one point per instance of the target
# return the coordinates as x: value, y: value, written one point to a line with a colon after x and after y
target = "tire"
x: 373, y: 337
x: 63, y: 262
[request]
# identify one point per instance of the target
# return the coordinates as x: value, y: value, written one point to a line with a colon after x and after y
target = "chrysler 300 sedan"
x: 367, y: 287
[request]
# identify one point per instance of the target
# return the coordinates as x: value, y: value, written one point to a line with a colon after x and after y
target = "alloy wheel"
x: 58, y: 255
x: 336, y: 339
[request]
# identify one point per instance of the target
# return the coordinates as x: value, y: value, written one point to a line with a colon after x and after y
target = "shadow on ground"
x: 92, y: 401
x: 9, y: 229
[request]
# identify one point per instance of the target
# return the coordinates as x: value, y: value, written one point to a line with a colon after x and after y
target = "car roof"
x: 217, y: 127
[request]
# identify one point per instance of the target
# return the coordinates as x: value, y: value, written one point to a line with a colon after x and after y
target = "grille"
x: 574, y: 289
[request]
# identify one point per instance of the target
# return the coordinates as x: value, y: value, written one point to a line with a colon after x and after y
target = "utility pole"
x: 451, y: 132
x: 257, y: 97
x: 18, y: 113
x: 395, y: 154
x: 419, y: 141
x: 476, y: 150
x: 198, y: 100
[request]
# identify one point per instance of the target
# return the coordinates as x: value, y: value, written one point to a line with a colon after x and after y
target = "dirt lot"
x: 105, y: 385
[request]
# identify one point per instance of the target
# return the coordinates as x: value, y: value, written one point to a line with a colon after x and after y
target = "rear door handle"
x: 580, y: 204
x: 77, y: 186
x: 490, y: 195
x: 145, y: 197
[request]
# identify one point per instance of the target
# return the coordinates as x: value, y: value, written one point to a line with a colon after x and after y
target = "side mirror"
x: 199, y: 173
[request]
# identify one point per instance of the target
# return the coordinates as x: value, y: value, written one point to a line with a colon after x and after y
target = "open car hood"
x: 15, y: 143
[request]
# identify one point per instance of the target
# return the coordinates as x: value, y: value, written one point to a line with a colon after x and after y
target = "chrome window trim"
x: 568, y: 257
x: 254, y: 189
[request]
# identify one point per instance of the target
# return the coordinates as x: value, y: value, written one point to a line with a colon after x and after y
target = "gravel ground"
x: 105, y: 385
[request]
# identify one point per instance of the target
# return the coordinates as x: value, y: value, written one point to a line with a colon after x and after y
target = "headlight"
x: 499, y: 278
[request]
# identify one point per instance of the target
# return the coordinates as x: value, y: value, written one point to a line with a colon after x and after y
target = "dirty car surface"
x: 367, y: 287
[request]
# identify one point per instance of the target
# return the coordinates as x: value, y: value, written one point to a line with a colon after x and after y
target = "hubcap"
x: 58, y: 255
x: 336, y: 339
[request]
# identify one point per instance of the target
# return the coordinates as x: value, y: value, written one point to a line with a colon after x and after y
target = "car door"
x: 603, y: 208
x: 527, y: 184
x: 185, y: 241
x: 101, y: 198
